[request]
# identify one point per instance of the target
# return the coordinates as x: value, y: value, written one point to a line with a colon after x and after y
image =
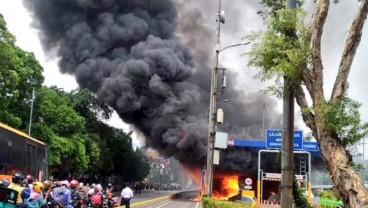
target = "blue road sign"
x: 310, y: 146
x: 274, y: 139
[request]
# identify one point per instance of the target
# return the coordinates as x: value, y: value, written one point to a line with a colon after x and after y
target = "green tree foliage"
x: 343, y: 117
x: 139, y: 165
x: 84, y: 144
x: 55, y: 110
x: 283, y: 48
x: 56, y: 123
x: 19, y: 73
x: 5, y: 35
x: 71, y: 124
x: 110, y: 149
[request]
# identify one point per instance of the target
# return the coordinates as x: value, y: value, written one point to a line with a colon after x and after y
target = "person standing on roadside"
x: 126, y: 195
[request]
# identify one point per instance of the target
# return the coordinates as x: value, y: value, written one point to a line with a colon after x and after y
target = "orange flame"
x: 229, y: 187
x: 198, y: 198
x: 195, y: 175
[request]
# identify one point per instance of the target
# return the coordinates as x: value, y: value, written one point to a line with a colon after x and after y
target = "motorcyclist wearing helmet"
x: 16, y: 185
x: 109, y: 188
x: 76, y: 197
x: 48, y: 192
x: 97, y: 197
x: 48, y: 185
x: 62, y: 194
x: 29, y: 181
x: 4, y: 183
x: 36, y: 199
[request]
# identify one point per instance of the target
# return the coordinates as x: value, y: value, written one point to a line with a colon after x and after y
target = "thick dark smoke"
x: 151, y: 61
x: 244, y: 112
x: 126, y: 52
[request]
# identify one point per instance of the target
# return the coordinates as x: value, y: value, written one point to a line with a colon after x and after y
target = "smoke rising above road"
x: 150, y: 60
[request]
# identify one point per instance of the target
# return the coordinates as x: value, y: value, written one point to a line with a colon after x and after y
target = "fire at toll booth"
x: 250, y: 172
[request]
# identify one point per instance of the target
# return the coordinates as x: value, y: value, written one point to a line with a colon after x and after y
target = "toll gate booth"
x: 268, y: 182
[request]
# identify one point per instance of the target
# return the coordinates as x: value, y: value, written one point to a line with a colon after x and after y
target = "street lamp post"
x: 34, y: 96
x: 213, y: 102
x: 30, y: 115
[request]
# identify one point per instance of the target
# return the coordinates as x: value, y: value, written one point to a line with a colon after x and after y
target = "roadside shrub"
x: 212, y: 203
x: 327, y: 194
x: 327, y: 199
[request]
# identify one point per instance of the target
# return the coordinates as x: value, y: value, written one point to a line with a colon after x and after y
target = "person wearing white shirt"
x: 126, y: 195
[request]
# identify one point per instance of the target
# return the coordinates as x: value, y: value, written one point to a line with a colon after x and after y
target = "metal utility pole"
x: 212, y: 114
x: 263, y: 122
x: 30, y: 115
x: 287, y: 157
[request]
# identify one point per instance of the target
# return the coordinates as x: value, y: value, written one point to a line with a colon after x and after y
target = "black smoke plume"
x: 132, y: 55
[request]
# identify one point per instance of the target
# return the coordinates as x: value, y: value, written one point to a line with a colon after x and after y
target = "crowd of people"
x: 63, y: 194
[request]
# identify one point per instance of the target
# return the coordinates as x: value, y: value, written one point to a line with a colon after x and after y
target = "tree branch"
x: 308, y: 116
x: 351, y: 45
x: 315, y: 33
x: 308, y: 80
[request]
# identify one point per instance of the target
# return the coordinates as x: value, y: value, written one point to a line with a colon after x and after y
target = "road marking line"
x: 164, y: 204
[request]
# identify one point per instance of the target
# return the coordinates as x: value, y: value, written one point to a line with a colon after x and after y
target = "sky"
x: 239, y: 22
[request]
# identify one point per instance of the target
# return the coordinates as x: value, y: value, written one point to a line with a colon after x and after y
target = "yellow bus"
x: 21, y: 153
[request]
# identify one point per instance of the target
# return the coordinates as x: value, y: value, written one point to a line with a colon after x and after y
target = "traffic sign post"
x: 274, y: 139
x: 248, y: 183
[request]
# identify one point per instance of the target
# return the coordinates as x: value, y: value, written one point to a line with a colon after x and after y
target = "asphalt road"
x: 183, y: 200
x: 147, y: 194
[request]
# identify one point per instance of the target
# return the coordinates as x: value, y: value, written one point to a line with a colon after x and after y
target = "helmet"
x: 38, y: 187
x: 18, y: 178
x: 30, y: 179
x: 47, y: 184
x: 6, y: 182
x: 109, y: 185
x: 74, y: 183
x: 98, y: 187
x: 65, y: 183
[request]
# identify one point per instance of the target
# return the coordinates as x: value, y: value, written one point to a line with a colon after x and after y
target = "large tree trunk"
x: 348, y: 185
